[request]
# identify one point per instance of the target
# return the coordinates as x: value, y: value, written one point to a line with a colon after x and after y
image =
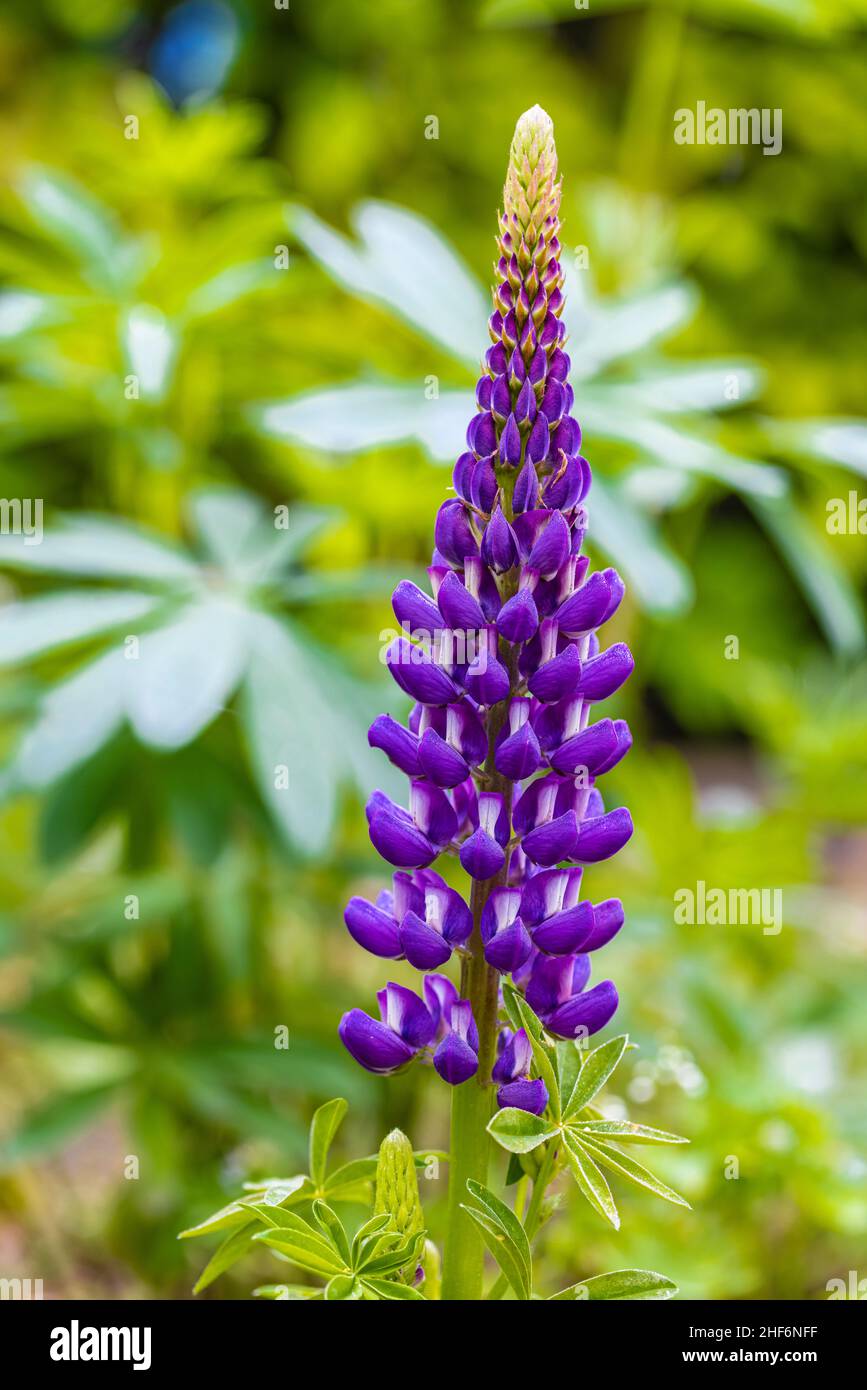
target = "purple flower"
x: 503, y: 665
x: 556, y: 992
x: 456, y: 1058
x: 385, y: 1044
x: 512, y: 1071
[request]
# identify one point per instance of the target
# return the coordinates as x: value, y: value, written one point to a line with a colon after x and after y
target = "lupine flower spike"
x: 504, y: 747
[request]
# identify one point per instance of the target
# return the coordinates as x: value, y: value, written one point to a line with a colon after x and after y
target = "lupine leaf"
x: 403, y: 262
x: 343, y: 1288
x: 624, y: 1130
x: 287, y: 1292
x: 518, y: 1131
x: 503, y: 1250
x: 513, y: 1232
x: 308, y: 1252
x: 627, y: 1167
x: 393, y: 1291
x: 332, y: 1228
x: 232, y: 1249
x: 96, y: 547
x: 618, y: 1284
x: 597, y: 1068
x: 34, y: 626
x: 590, y: 1180
x: 323, y: 1127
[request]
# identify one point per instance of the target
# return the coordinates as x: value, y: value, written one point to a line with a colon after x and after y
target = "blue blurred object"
x: 195, y: 50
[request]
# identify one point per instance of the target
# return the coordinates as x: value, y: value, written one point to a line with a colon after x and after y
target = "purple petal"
x: 519, y: 755
x: 550, y: 983
x: 415, y: 610
x: 550, y: 843
x: 524, y: 1095
x: 452, y: 533
x: 602, y: 836
x: 423, y: 947
x: 565, y: 932
x: 372, y: 1044
x: 526, y: 493
x: 455, y: 1060
x: 518, y: 618
x: 509, y: 948
x: 459, y: 609
x: 608, y: 918
x: 418, y: 675
x: 499, y: 548
x: 510, y: 443
x: 395, y: 836
x: 481, y: 856
x: 372, y: 928
x: 605, y: 673
x: 584, y: 1014
x: 557, y: 678
x: 406, y: 1014
x: 586, y: 607
x: 439, y: 761
x: 591, y: 749
x: 396, y: 742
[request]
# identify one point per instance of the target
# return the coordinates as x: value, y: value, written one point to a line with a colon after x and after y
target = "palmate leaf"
x: 590, y: 1179
x: 618, y: 1284
x: 401, y: 261
x: 518, y: 1131
x: 597, y: 1069
x: 626, y: 1167
x: 198, y: 642
x: 623, y: 1131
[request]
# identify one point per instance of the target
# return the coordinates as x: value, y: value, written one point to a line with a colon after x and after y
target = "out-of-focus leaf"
x: 34, y: 626
x: 348, y: 419
x: 76, y: 718
x: 404, y: 263
x: 824, y: 582
x: 70, y: 216
x: 96, y: 548
x: 632, y: 540
x: 839, y: 441
x: 150, y: 345
x: 185, y: 673
x: 52, y: 1125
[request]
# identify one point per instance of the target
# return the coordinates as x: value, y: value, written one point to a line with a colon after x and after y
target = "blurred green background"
x: 244, y: 254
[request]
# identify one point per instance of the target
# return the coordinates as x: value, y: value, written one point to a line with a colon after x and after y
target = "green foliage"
x: 157, y: 258
x: 373, y: 1264
x: 572, y: 1130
